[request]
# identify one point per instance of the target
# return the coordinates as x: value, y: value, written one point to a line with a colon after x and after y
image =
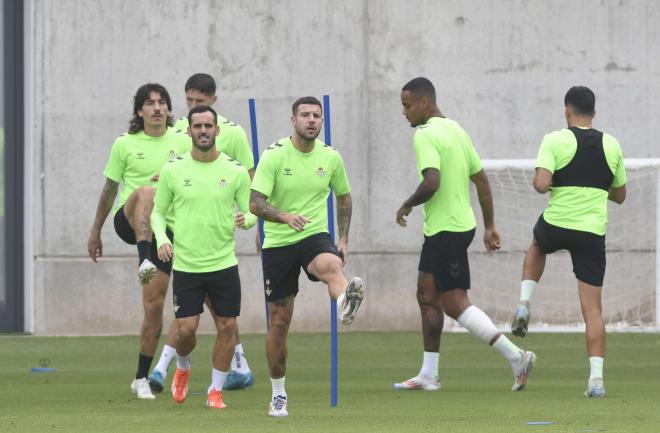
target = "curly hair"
x: 136, y: 124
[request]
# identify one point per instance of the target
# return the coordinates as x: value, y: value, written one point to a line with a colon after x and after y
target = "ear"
x: 567, y: 112
x: 293, y: 120
x: 214, y: 99
x: 189, y: 132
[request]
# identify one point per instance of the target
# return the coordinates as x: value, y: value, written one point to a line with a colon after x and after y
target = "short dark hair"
x: 202, y: 82
x: 420, y: 86
x: 141, y: 96
x: 305, y: 100
x: 202, y: 109
x: 582, y: 99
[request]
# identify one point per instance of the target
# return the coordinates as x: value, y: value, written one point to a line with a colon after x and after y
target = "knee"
x: 185, y: 331
x: 227, y: 327
x: 332, y: 268
x: 279, y: 323
x: 153, y: 306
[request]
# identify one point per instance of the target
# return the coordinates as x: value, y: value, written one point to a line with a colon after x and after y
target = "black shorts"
x: 223, y: 288
x: 127, y: 234
x: 587, y: 249
x: 281, y: 265
x: 445, y: 256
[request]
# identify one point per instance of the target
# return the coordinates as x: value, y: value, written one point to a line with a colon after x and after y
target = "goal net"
x: 632, y: 284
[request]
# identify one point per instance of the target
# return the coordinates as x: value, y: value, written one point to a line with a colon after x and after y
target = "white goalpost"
x: 631, y: 290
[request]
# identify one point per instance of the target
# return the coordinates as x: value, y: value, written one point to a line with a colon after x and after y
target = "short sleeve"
x: 426, y: 153
x: 114, y: 169
x: 546, y: 158
x: 162, y: 203
x: 264, y: 176
x: 620, y: 177
x: 339, y: 181
x: 474, y: 161
x: 243, y: 153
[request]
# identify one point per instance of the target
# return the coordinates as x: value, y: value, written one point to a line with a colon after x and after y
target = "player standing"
x: 232, y: 141
x: 583, y: 168
x: 201, y: 188
x: 446, y: 162
x: 290, y: 191
x: 135, y: 160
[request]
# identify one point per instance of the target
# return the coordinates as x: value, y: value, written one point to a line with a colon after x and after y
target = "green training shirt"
x: 136, y: 158
x: 442, y: 144
x: 231, y: 141
x: 202, y: 195
x: 576, y: 207
x: 299, y: 183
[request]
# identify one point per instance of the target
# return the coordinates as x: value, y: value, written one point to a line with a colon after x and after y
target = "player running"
x: 583, y: 168
x: 290, y: 191
x: 135, y: 160
x: 446, y: 162
x: 201, y: 188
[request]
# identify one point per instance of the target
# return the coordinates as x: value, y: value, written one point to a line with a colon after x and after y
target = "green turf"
x: 89, y: 391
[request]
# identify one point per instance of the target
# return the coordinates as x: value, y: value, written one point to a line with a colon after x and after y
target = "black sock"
x: 144, y: 364
x: 144, y: 251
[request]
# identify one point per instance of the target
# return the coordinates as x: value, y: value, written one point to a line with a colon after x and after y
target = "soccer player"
x: 290, y: 191
x: 583, y: 168
x: 231, y: 141
x: 201, y: 188
x: 446, y: 163
x: 135, y: 160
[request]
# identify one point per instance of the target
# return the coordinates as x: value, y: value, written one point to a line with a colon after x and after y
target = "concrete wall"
x: 500, y: 68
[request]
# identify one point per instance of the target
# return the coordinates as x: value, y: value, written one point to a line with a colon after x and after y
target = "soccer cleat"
x: 419, y: 383
x: 352, y: 300
x: 157, y: 381
x: 180, y: 385
x: 141, y: 388
x: 522, y: 372
x: 596, y: 388
x: 278, y: 406
x: 214, y: 399
x: 236, y: 380
x: 520, y: 320
x: 146, y: 272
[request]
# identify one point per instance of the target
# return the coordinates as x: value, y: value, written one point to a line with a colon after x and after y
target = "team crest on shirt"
x: 172, y: 155
x: 140, y: 155
x: 321, y: 172
x: 187, y: 182
x: 223, y: 183
x: 288, y: 172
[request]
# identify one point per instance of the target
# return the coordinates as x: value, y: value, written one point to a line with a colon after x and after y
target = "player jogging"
x: 232, y: 141
x: 446, y: 163
x: 135, y: 160
x: 583, y: 168
x: 201, y: 188
x: 290, y: 191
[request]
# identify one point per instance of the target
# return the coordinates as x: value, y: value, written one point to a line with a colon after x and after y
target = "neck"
x: 580, y: 122
x: 435, y: 112
x: 200, y: 156
x: 302, y: 144
x: 155, y: 130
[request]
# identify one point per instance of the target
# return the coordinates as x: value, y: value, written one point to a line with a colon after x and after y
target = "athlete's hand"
x: 296, y: 222
x: 95, y: 246
x: 155, y: 177
x: 403, y: 211
x: 492, y: 240
x: 239, y: 220
x: 342, y: 247
x: 165, y: 253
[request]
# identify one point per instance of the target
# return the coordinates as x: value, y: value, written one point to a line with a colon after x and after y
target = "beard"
x: 203, y: 147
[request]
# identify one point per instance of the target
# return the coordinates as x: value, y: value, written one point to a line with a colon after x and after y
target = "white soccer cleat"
x: 520, y: 320
x: 278, y: 406
x: 522, y: 372
x: 352, y: 299
x: 146, y: 272
x: 596, y: 388
x: 142, y: 389
x: 419, y: 383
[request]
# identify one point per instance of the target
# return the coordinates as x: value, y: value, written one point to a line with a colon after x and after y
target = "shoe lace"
x: 279, y: 402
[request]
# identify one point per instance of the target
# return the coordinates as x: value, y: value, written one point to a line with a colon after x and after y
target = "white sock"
x: 527, y: 288
x: 478, y: 323
x: 596, y: 366
x: 218, y: 379
x: 239, y: 361
x: 510, y: 351
x: 166, y: 356
x: 430, y: 365
x: 340, y: 300
x: 278, y: 387
x: 183, y: 362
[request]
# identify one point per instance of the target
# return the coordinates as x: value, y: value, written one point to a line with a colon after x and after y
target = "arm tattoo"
x: 344, y: 211
x: 261, y: 208
x: 105, y: 202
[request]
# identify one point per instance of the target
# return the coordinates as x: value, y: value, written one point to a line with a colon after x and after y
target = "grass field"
x: 89, y: 391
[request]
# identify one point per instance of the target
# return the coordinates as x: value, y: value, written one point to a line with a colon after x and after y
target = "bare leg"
x: 223, y: 349
x: 137, y: 209
x: 187, y: 338
x: 281, y: 312
x: 433, y: 317
x: 153, y: 297
x: 328, y: 268
x: 534, y: 263
x: 592, y: 311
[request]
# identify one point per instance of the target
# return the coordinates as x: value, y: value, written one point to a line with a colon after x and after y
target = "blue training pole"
x: 255, y: 154
x: 333, y: 305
